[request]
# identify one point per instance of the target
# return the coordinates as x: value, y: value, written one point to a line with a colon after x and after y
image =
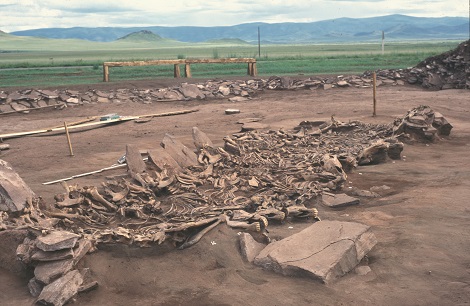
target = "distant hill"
x: 143, y: 35
x: 397, y: 27
x: 228, y: 41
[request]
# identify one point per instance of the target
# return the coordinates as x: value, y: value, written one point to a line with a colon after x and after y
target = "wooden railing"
x: 252, y: 70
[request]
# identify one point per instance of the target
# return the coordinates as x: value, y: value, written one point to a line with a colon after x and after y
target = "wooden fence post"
x: 68, y: 138
x: 374, y: 82
x: 105, y: 73
x: 187, y: 70
x: 177, y: 72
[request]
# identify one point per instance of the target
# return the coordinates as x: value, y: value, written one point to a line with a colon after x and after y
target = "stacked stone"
x: 55, y: 258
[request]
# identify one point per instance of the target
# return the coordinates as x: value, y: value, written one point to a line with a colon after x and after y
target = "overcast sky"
x: 32, y: 14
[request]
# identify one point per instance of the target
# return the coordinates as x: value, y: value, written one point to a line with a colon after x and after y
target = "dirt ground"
x: 423, y: 251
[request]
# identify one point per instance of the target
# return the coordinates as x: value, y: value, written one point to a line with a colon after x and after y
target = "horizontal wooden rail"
x: 252, y: 71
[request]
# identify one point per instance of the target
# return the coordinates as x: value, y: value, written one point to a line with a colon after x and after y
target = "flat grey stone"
x: 49, y: 94
x: 61, y: 290
x: 41, y: 255
x: 179, y: 152
x: 324, y: 251
x: 5, y: 108
x: 134, y: 159
x: 231, y: 111
x: 47, y: 272
x: 162, y: 160
x: 201, y: 139
x: 14, y: 193
x: 57, y: 240
x: 18, y: 107
x: 249, y: 247
x: 339, y: 200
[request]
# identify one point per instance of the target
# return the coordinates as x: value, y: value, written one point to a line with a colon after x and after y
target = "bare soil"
x: 421, y: 223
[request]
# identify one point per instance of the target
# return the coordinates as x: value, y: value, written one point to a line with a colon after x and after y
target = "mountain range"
x: 395, y: 27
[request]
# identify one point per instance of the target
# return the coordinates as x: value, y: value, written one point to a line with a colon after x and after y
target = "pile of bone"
x: 56, y: 259
x: 422, y: 123
x: 174, y: 194
x: 445, y: 71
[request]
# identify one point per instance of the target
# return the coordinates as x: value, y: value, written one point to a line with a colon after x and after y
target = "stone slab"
x: 162, y: 160
x: 57, y: 240
x: 201, y: 139
x: 47, y: 272
x: 61, y: 290
x: 324, y: 251
x: 41, y: 255
x: 339, y: 200
x: 14, y: 193
x: 249, y: 247
x: 179, y: 152
x: 134, y: 159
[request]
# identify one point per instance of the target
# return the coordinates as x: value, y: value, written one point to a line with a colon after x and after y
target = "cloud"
x: 30, y: 14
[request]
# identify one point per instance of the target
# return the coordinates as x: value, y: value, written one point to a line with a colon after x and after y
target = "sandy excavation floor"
x: 421, y: 223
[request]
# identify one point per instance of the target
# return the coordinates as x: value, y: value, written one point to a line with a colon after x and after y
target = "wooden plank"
x: 176, y: 72
x: 76, y: 122
x: 112, y: 167
x: 62, y: 129
x: 179, y: 61
x: 144, y: 63
x: 221, y: 60
x: 122, y: 119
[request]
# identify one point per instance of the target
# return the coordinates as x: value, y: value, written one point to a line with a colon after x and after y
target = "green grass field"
x: 45, y: 59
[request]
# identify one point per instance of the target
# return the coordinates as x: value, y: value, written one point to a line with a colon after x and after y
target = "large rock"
x: 162, y: 160
x: 134, y: 159
x: 249, y: 247
x: 179, y: 152
x: 325, y: 250
x: 191, y: 91
x: 61, y: 290
x: 201, y: 140
x: 14, y: 193
x: 47, y: 272
x: 57, y: 240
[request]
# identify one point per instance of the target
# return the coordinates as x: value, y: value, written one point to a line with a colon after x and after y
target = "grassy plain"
x: 48, y: 62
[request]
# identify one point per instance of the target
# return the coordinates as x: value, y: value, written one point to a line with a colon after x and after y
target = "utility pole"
x: 259, y: 43
x: 383, y: 42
